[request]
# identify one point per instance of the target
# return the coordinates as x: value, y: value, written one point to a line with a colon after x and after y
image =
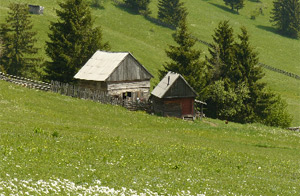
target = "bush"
x: 276, y: 113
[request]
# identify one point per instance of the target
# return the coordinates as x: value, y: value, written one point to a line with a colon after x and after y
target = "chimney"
x: 168, y: 80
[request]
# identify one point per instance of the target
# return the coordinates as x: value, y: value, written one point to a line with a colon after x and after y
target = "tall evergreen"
x: 17, y: 41
x: 185, y: 60
x: 73, y: 40
x: 247, y: 59
x: 222, y: 52
x: 285, y: 16
x: 248, y: 72
x: 171, y: 11
x: 236, y: 92
x: 138, y: 5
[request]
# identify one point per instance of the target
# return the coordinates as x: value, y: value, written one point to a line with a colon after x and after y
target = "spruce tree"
x: 171, y: 11
x: 73, y: 40
x: 138, y: 5
x: 249, y: 73
x: 17, y: 41
x: 236, y: 92
x: 222, y: 52
x: 285, y: 16
x: 185, y: 60
x: 247, y: 59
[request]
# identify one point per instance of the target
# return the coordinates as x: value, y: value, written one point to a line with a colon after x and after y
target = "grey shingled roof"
x: 101, y: 65
x: 164, y: 85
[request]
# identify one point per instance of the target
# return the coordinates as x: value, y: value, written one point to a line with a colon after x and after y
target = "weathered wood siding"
x: 179, y: 89
x: 93, y: 85
x: 157, y: 106
x: 174, y: 107
x: 129, y: 70
x: 117, y: 88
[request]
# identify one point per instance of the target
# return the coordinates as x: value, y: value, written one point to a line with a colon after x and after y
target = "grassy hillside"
x: 55, y: 144
x: 147, y: 41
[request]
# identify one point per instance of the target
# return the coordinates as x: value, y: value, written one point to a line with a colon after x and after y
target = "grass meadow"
x: 53, y: 144
x: 147, y: 41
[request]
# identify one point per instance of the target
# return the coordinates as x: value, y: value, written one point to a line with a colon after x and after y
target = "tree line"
x: 285, y: 15
x: 229, y: 79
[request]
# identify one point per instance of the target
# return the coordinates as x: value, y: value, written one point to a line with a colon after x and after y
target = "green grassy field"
x: 53, y: 144
x: 147, y: 41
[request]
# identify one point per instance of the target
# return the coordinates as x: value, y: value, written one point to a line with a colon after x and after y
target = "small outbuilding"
x: 36, y: 9
x: 117, y: 73
x: 173, y: 96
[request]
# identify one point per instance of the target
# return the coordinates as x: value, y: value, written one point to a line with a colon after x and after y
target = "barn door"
x: 187, y: 106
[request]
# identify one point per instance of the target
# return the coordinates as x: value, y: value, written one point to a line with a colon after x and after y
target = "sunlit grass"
x: 48, y: 138
x: 147, y: 41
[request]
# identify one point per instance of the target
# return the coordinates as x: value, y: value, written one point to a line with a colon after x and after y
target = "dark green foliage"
x: 18, y: 39
x: 286, y: 17
x: 55, y: 134
x: 227, y: 102
x: 272, y: 110
x: 222, y: 52
x: 73, y: 40
x: 235, y: 4
x: 247, y: 60
x: 171, y: 11
x: 98, y: 4
x: 138, y: 5
x: 185, y: 60
x: 236, y: 92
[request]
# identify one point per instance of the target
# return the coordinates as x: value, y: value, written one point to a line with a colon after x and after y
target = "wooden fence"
x: 292, y: 75
x: 25, y: 82
x: 77, y: 92
x: 99, y: 96
x: 271, y: 68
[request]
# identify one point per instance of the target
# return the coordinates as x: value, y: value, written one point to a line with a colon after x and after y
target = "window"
x: 126, y: 95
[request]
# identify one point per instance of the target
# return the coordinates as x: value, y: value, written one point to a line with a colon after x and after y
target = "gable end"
x: 129, y: 70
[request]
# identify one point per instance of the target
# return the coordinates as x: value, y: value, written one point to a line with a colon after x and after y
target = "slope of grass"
x: 71, y: 143
x: 147, y: 41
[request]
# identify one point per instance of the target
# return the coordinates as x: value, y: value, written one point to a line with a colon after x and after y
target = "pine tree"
x: 185, y: 60
x: 236, y: 92
x: 171, y: 11
x: 222, y: 52
x: 138, y: 5
x: 235, y: 4
x: 249, y: 73
x: 286, y: 17
x: 73, y: 40
x: 247, y: 59
x: 18, y: 41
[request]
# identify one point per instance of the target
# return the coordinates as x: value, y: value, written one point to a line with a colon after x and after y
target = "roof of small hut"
x: 102, y: 64
x: 166, y: 84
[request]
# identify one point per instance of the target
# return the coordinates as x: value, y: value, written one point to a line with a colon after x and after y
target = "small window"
x: 126, y: 95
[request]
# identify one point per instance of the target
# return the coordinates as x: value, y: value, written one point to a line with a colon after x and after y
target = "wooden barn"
x: 117, y: 73
x: 173, y: 96
x: 36, y: 9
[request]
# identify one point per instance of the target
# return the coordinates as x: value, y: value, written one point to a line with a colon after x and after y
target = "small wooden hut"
x: 117, y: 73
x: 173, y: 96
x: 36, y: 9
